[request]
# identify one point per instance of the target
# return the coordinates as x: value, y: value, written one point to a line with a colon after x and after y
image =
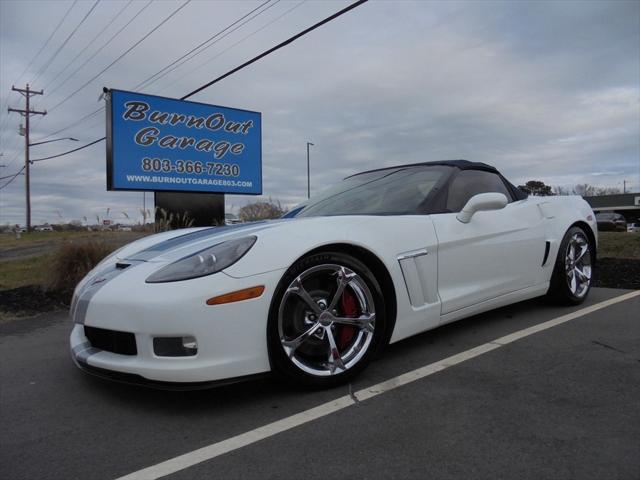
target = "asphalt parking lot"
x: 560, y: 403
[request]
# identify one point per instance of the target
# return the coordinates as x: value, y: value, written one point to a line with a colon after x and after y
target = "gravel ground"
x: 617, y: 273
x: 28, y: 301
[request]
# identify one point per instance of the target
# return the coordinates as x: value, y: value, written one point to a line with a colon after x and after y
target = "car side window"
x: 468, y: 183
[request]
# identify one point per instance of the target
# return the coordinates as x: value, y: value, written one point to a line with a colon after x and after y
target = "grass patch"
x: 25, y: 271
x: 59, y: 271
x: 9, y: 240
x: 619, y: 245
x: 72, y: 262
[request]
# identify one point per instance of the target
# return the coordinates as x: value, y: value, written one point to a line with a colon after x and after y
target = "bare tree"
x: 586, y: 190
x: 559, y: 190
x: 261, y: 211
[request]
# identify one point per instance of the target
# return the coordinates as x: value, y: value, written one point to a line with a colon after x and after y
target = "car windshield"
x: 398, y: 191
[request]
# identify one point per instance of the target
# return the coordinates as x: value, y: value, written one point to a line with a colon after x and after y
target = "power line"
x: 104, y: 45
x: 100, y: 49
x: 121, y: 56
x: 57, y: 52
x: 117, y: 15
x: 81, y: 120
x: 77, y: 122
x: 277, y: 47
x: 70, y: 151
x: 246, y: 64
x: 167, y: 69
x: 64, y: 17
x: 13, y: 177
x: 55, y: 30
x: 18, y: 152
x: 233, y: 45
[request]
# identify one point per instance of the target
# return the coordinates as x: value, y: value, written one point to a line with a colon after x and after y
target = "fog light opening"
x: 190, y: 344
x: 175, y: 346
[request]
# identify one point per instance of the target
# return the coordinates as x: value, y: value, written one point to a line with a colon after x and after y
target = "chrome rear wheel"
x: 573, y: 269
x: 578, y: 264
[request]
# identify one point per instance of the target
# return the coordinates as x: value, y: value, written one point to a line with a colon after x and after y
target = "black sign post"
x: 189, y: 209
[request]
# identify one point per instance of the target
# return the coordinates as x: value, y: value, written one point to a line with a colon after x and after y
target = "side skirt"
x: 501, y: 301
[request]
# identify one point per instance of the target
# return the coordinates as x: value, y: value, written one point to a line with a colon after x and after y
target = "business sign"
x: 157, y: 143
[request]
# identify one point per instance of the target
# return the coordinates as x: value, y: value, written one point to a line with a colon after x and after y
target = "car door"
x: 497, y: 252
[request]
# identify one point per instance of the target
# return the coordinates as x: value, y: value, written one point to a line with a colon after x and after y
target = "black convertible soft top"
x: 460, y: 164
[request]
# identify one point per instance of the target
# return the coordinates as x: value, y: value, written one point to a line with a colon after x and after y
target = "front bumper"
x: 231, y: 337
x: 138, y: 380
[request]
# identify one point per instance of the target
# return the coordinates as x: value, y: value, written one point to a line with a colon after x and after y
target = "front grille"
x: 123, y: 343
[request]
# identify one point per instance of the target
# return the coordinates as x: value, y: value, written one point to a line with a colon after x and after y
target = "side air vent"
x: 547, y: 247
x: 122, y: 266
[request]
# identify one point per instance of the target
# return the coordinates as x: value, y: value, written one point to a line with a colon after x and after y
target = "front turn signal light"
x: 237, y: 296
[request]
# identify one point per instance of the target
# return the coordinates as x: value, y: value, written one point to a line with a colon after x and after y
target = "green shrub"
x: 72, y: 262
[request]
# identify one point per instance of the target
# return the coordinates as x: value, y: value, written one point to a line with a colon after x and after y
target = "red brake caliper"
x: 349, y: 308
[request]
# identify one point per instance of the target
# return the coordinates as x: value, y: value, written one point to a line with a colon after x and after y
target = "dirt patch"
x: 617, y: 273
x: 28, y: 301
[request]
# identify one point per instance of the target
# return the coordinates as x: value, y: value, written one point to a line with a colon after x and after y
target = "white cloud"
x: 546, y: 90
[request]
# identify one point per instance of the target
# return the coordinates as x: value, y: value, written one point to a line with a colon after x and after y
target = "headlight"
x: 205, y: 262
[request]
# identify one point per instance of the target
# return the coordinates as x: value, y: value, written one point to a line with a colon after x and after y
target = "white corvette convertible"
x: 312, y: 297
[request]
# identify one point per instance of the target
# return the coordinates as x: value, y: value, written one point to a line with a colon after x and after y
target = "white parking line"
x: 215, y: 450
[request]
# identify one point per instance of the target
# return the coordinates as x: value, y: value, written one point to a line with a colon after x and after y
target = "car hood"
x: 177, y: 244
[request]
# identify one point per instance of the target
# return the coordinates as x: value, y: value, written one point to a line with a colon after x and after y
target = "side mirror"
x: 480, y: 202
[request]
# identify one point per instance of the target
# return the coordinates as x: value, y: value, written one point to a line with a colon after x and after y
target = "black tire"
x: 291, y: 318
x: 561, y: 288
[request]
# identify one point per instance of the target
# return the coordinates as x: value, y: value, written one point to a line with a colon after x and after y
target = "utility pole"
x: 308, y: 171
x: 27, y: 113
x: 624, y: 186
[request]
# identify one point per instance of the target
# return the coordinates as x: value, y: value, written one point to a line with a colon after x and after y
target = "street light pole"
x: 308, y: 171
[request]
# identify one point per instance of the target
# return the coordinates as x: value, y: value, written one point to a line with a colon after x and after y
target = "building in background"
x: 626, y: 204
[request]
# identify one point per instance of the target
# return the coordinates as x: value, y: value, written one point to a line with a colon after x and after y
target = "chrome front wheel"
x: 327, y: 320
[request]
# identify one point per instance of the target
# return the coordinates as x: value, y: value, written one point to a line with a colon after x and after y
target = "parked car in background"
x: 633, y: 227
x: 43, y: 228
x: 231, y: 219
x: 611, y: 222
